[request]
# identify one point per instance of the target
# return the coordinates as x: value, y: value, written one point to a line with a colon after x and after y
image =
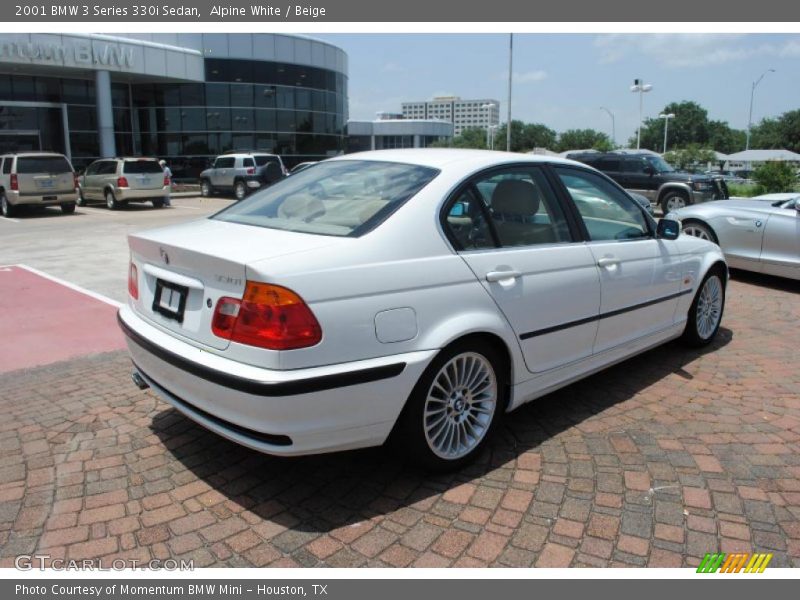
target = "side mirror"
x: 668, y: 229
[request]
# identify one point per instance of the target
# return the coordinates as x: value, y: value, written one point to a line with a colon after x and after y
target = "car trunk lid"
x: 183, y: 270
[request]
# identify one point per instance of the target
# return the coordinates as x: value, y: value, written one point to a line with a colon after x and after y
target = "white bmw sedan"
x: 411, y: 295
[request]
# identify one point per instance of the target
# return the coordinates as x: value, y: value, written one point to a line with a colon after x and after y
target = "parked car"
x: 758, y: 234
x: 651, y: 176
x: 441, y: 289
x: 241, y: 174
x: 118, y: 181
x: 36, y: 179
x: 300, y: 166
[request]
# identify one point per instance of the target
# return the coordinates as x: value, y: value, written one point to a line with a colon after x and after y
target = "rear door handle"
x: 493, y: 276
x: 607, y: 262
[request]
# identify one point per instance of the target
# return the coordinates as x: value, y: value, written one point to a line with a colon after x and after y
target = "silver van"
x: 117, y: 181
x: 36, y: 179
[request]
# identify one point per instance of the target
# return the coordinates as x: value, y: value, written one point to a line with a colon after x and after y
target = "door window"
x: 607, y: 212
x: 514, y: 207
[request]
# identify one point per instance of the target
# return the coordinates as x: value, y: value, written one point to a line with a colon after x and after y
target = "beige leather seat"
x: 514, y: 203
x: 302, y: 207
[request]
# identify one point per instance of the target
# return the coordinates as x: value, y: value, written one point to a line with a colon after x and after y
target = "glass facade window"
x: 293, y: 110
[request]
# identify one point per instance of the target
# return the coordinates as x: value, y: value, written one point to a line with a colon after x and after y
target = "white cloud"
x: 530, y: 76
x: 392, y: 67
x: 689, y: 49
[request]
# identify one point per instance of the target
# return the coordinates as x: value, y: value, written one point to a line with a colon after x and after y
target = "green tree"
x: 722, y: 138
x: 472, y: 137
x: 580, y: 139
x: 525, y: 137
x: 783, y: 132
x: 693, y: 154
x: 689, y: 126
x: 775, y: 176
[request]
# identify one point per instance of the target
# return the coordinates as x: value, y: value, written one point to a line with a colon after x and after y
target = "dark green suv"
x: 646, y: 173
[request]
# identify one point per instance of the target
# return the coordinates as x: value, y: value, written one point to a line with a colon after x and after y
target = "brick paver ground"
x: 654, y: 462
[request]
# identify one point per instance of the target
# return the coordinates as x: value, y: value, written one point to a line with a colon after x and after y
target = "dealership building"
x: 184, y: 97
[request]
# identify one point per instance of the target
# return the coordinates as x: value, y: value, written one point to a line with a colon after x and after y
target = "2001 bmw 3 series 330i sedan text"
x: 411, y: 295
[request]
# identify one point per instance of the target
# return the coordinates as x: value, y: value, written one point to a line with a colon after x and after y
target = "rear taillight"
x: 122, y: 182
x: 14, y: 183
x: 267, y: 316
x: 251, y: 170
x: 166, y: 181
x: 133, y: 281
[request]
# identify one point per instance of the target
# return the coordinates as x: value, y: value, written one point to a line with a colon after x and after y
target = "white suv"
x: 241, y: 173
x: 36, y: 179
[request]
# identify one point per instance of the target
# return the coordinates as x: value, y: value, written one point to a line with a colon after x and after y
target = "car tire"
x: 81, y: 201
x: 673, y: 201
x: 158, y: 202
x: 206, y: 189
x: 111, y: 201
x: 8, y: 209
x: 240, y: 190
x: 445, y: 423
x: 705, y: 314
x: 68, y: 208
x: 699, y: 230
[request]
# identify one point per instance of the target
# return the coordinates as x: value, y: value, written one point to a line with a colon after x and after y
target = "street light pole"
x: 510, y: 67
x: 641, y: 87
x: 488, y: 107
x: 613, y: 126
x: 666, y: 118
x: 750, y: 116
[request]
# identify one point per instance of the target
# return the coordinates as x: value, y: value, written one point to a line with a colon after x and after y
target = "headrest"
x: 516, y: 197
x: 301, y: 206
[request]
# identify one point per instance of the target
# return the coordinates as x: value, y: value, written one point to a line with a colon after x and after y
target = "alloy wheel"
x: 460, y: 405
x: 709, y: 307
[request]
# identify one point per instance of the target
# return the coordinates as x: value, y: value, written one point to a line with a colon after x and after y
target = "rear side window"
x: 248, y: 162
x: 338, y: 198
x: 607, y: 164
x: 107, y: 167
x: 6, y: 168
x: 43, y: 164
x: 141, y: 166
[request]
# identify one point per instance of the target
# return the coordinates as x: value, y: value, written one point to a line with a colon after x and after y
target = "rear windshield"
x: 43, y: 164
x: 141, y: 166
x: 262, y: 160
x: 339, y: 198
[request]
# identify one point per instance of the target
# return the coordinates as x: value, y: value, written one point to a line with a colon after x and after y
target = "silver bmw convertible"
x: 760, y: 234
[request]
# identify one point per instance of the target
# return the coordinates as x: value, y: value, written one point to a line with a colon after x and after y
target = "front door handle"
x: 607, y: 262
x: 493, y: 276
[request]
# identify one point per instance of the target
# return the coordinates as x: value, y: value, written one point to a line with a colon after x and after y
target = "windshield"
x: 340, y: 198
x: 659, y: 164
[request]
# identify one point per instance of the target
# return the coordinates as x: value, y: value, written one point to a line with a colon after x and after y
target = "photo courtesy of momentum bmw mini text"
x: 404, y: 300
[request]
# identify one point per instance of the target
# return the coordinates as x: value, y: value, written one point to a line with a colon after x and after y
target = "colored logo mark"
x: 734, y: 563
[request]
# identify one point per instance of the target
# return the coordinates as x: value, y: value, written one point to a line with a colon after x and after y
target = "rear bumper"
x: 303, y: 411
x: 132, y: 195
x: 56, y: 197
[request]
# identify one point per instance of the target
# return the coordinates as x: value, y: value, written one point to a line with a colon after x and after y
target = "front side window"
x: 606, y: 211
x: 338, y: 198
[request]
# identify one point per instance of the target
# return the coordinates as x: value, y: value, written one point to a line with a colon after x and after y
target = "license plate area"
x: 169, y: 300
x: 49, y: 198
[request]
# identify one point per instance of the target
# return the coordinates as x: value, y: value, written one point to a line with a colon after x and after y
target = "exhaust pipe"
x: 139, y: 381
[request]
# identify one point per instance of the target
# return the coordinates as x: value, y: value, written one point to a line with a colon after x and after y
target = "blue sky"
x: 562, y: 80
